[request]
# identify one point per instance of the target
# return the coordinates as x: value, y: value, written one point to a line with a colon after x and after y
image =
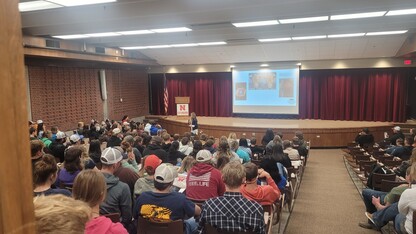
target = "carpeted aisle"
x: 328, y: 201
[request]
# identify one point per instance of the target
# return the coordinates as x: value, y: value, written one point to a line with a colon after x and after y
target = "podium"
x: 182, y: 106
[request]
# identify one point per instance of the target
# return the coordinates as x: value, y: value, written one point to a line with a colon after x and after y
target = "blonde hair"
x: 59, y: 214
x: 187, y: 163
x: 413, y: 157
x: 90, y: 187
x: 233, y: 174
x: 412, y: 173
x: 232, y: 136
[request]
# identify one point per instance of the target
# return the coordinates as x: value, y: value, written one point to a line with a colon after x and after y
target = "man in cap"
x: 118, y: 198
x: 75, y: 139
x: 57, y: 147
x: 164, y: 205
x: 143, y: 184
x: 114, y: 140
x: 204, y: 180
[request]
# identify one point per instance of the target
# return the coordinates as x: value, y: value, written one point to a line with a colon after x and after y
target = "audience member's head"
x: 110, y: 159
x: 269, y: 134
x: 295, y: 142
x: 399, y: 141
x: 396, y: 129
x: 60, y: 214
x: 299, y: 135
x: 232, y: 136
x: 90, y: 187
x: 164, y: 175
x: 204, y: 156
x: 151, y: 162
x: 408, y: 141
x: 222, y: 161
x: 174, y: 147
x: 243, y: 142
x: 60, y: 137
x: 185, y: 141
x: 233, y: 175
x: 251, y: 171
x: 72, y: 159
x: 277, y: 139
x: 187, y: 163
x: 253, y: 141
x: 157, y: 140
x: 197, y: 147
x: 176, y: 137
x: 75, y: 139
x: 32, y: 131
x: 209, y: 143
x: 223, y: 146
x: 129, y: 139
x: 36, y: 148
x: 166, y: 137
x: 203, y: 137
x: 234, y: 145
x: 286, y: 144
x: 44, y: 170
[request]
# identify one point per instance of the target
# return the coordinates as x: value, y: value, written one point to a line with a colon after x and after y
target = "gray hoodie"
x: 185, y: 149
x: 117, y: 200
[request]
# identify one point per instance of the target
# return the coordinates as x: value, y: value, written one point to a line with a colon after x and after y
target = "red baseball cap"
x: 152, y: 161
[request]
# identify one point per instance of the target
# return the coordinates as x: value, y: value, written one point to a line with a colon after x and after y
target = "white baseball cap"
x: 165, y: 173
x: 74, y: 138
x: 111, y: 156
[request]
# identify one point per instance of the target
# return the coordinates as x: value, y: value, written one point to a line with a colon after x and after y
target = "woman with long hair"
x: 187, y: 163
x: 174, y: 154
x: 279, y: 156
x: 193, y: 123
x: 268, y: 136
x: 71, y: 167
x: 91, y: 188
x: 225, y: 151
x: 94, y: 151
x: 44, y: 176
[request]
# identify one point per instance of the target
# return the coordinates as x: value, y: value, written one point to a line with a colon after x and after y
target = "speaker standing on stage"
x: 193, y: 123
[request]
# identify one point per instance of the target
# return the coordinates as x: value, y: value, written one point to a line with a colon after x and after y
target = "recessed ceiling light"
x: 358, y: 15
x: 232, y: 66
x: 303, y: 20
x: 134, y: 48
x: 385, y: 33
x: 136, y: 32
x: 309, y: 37
x: 402, y: 12
x: 298, y: 64
x: 168, y: 30
x: 212, y: 43
x: 75, y: 36
x: 264, y: 65
x: 256, y: 23
x: 79, y: 2
x: 185, y: 45
x: 104, y: 34
x: 36, y: 5
x: 158, y: 46
x: 275, y: 39
x: 346, y: 35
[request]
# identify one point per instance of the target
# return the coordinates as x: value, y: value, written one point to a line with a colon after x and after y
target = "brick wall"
x: 63, y: 96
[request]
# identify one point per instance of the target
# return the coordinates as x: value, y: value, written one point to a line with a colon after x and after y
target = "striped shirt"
x: 232, y: 212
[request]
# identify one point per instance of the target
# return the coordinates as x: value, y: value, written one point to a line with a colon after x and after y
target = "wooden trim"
x: 16, y: 195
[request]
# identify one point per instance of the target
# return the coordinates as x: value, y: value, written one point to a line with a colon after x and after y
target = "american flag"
x: 165, y: 94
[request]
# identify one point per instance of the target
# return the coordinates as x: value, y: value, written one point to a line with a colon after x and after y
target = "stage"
x: 321, y: 133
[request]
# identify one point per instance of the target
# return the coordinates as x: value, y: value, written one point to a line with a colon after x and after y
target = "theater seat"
x: 146, y: 226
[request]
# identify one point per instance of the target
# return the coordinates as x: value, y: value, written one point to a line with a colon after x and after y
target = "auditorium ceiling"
x: 208, y: 21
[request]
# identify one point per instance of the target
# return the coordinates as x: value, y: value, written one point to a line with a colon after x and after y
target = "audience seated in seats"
x: 174, y: 155
x: 146, y: 182
x: 397, y: 149
x: 87, y: 162
x: 94, y: 152
x: 197, y: 146
x: 58, y: 147
x: 378, y: 200
x: 279, y: 156
x: 270, y: 166
x: 115, y: 139
x: 291, y: 152
x: 90, y: 187
x: 300, y: 147
x: 209, y: 145
x: 232, y: 212
x: 60, y: 214
x: 384, y: 215
x: 71, y: 167
x: 36, y: 151
x: 166, y: 141
x: 95, y: 131
x: 163, y: 204
x: 276, y: 140
x: 118, y: 199
x: 255, y: 149
x: 263, y: 194
x: 242, y: 155
x: 243, y: 146
x: 396, y: 135
x: 268, y: 136
x: 185, y: 146
x: 146, y: 141
x: 221, y: 162
x: 204, y: 180
x: 129, y: 159
x: 401, y: 170
x: 364, y: 138
x: 45, y: 173
x: 225, y: 151
x: 137, y: 154
x: 155, y: 147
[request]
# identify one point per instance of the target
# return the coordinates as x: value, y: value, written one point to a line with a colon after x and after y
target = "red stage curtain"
x: 353, y: 94
x: 210, y: 93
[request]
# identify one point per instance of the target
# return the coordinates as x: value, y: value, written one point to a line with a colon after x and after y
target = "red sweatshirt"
x: 265, y: 195
x: 203, y: 182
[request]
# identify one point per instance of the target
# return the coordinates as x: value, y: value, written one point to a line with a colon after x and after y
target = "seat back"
x: 392, y: 163
x: 377, y: 178
x: 146, y: 226
x: 212, y: 230
x: 387, y: 185
x: 115, y: 217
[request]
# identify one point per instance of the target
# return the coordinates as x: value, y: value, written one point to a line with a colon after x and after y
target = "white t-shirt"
x: 407, y: 204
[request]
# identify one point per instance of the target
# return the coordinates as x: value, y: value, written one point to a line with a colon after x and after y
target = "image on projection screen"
x: 266, y: 91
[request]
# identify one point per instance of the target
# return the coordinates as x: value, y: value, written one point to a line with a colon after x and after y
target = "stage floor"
x: 277, y: 123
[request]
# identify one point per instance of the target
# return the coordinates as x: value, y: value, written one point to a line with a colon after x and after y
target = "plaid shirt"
x: 232, y: 212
